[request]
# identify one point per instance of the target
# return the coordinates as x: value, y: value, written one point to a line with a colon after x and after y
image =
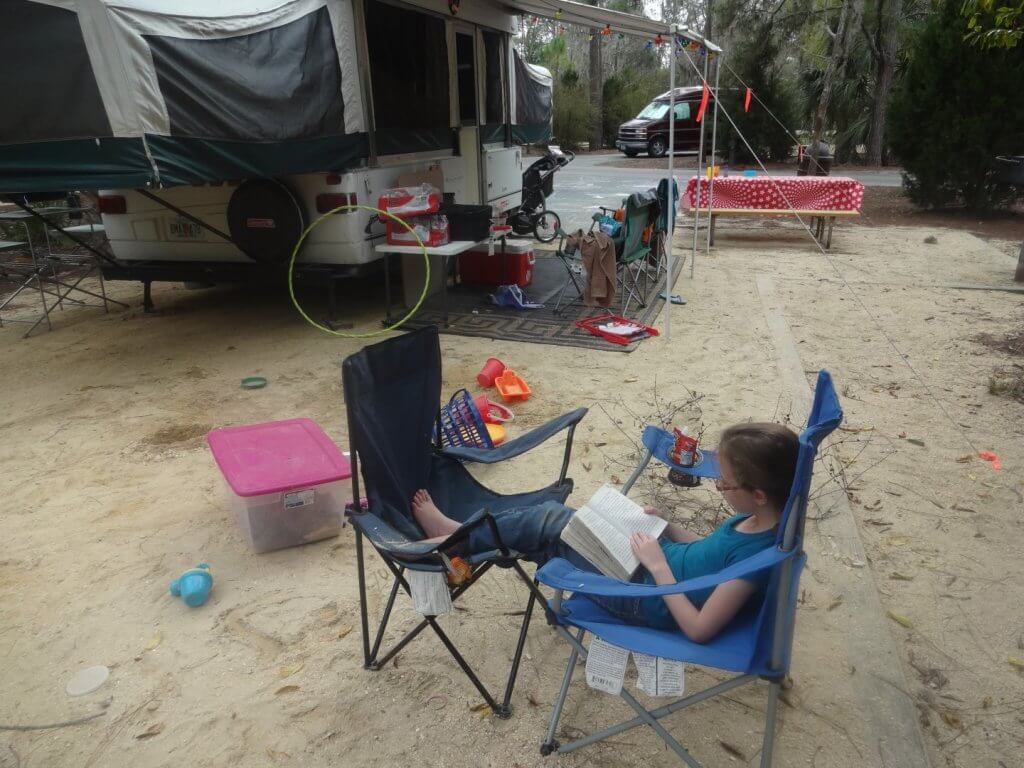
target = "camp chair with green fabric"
x: 631, y: 251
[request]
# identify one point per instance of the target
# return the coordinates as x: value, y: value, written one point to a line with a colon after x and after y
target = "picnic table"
x: 822, y: 199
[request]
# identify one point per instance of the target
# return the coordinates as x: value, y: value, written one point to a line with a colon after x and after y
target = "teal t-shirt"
x: 723, y: 547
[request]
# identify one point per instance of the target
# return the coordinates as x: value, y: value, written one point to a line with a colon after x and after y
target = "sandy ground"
x: 111, y: 492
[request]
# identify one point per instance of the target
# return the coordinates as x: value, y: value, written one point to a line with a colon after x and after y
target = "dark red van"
x: 648, y: 131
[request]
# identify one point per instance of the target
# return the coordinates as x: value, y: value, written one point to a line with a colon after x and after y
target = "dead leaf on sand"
x: 155, y: 640
x: 343, y: 631
x: 903, y: 621
x: 952, y: 719
x: 734, y: 751
x: 153, y: 730
x: 286, y: 689
x: 289, y: 670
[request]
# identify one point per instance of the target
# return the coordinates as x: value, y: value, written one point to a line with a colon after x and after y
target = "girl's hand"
x: 648, y: 551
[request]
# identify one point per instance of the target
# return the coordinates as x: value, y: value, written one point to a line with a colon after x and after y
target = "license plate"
x: 183, y: 229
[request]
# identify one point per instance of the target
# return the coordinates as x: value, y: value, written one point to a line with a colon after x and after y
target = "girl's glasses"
x: 720, y: 485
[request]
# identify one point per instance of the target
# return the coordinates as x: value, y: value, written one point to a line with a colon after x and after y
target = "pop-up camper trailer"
x: 215, y: 131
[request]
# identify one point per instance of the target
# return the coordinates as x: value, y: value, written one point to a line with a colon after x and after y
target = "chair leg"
x: 506, y: 706
x: 372, y: 662
x: 769, y: 724
x: 658, y: 728
x: 464, y: 665
x: 571, y: 278
x: 643, y: 716
x: 550, y: 743
x: 363, y: 618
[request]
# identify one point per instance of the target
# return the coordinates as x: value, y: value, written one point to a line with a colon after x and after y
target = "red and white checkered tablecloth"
x: 804, y: 193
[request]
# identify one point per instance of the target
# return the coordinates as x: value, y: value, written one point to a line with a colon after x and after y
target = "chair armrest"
x: 521, y: 444
x: 561, y: 574
x: 659, y: 442
x: 400, y: 547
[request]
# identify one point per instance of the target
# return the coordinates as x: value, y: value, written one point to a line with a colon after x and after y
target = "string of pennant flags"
x: 682, y: 44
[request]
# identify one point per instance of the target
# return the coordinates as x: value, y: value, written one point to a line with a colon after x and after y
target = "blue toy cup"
x: 194, y: 585
x: 750, y: 173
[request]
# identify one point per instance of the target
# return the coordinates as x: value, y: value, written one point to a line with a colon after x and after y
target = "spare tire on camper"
x: 265, y: 220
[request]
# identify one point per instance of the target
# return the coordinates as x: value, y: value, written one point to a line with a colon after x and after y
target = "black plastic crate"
x: 468, y: 222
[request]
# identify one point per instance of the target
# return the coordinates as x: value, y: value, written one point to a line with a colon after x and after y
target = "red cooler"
x: 515, y: 266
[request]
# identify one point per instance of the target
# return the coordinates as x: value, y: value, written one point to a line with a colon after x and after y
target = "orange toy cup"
x: 491, y: 370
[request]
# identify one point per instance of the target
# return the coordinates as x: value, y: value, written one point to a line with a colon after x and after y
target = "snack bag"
x: 410, y: 201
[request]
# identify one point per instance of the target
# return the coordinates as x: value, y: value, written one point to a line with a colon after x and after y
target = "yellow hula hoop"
x: 379, y: 212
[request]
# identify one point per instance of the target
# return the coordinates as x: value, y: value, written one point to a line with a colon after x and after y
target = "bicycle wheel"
x: 547, y: 226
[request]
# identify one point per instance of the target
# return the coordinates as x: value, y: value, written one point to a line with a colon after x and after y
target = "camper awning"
x: 570, y: 12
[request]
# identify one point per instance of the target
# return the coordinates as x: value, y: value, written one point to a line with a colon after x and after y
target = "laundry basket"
x: 461, y: 423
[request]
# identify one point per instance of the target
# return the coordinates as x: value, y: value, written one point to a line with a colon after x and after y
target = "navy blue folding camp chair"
x: 392, y: 396
x: 756, y: 644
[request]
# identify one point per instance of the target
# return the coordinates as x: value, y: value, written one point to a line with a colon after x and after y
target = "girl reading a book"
x: 758, y: 462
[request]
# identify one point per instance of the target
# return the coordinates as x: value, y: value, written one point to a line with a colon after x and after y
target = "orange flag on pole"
x: 703, y: 101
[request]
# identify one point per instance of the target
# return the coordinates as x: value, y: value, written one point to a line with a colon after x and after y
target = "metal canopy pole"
x: 714, y: 148
x: 671, y: 196
x: 700, y: 157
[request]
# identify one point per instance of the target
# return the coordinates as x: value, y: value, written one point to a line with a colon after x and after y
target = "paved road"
x: 591, y: 180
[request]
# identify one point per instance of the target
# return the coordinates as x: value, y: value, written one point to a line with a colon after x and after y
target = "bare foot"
x: 430, y: 518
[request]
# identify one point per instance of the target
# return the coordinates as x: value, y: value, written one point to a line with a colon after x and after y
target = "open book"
x: 600, y: 531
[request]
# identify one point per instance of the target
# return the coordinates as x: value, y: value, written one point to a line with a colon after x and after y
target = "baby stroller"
x: 533, y: 216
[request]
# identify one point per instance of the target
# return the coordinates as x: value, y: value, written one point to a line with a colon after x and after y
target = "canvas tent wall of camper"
x: 162, y: 92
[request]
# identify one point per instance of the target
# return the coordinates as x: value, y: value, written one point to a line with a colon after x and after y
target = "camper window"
x: 279, y: 83
x: 50, y: 95
x: 495, y: 90
x: 465, y: 65
x: 409, y: 75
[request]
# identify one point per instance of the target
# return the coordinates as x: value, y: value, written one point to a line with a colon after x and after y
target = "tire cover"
x: 265, y: 220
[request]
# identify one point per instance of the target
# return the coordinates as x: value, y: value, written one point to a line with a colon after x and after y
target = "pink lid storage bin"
x: 288, y: 481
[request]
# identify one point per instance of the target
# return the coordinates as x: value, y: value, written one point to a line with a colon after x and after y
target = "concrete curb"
x: 890, y: 717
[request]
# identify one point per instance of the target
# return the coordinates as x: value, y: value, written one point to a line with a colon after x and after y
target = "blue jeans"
x: 536, y: 533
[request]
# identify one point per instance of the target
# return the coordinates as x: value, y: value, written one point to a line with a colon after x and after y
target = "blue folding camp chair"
x: 756, y: 644
x: 392, y: 393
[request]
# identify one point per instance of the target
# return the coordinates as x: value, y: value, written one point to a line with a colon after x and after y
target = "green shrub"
x: 628, y: 92
x: 757, y: 66
x: 957, y: 107
x: 572, y: 112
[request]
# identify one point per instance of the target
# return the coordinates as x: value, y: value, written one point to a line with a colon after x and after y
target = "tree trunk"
x: 596, y: 90
x: 885, y: 66
x: 849, y: 21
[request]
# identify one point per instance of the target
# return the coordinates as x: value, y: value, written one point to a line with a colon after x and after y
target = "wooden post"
x: 1018, y: 276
